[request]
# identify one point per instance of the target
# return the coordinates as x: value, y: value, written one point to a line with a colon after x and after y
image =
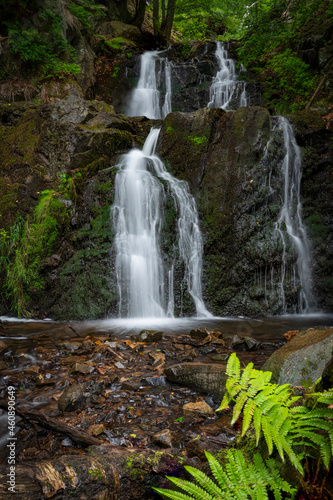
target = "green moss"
x: 36, y: 242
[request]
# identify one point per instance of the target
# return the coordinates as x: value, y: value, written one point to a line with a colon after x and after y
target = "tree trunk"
x: 156, y: 18
x: 139, y: 14
x: 104, y: 473
x: 167, y: 25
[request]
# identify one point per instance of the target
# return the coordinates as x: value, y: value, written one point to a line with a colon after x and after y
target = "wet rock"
x: 81, y: 368
x: 244, y: 343
x: 201, y: 408
x: 198, y: 334
x: 157, y: 358
x: 72, y: 346
x: 207, y: 350
x: 3, y: 365
x: 149, y: 336
x: 304, y: 359
x: 159, y: 381
x: 164, y: 439
x: 3, y: 346
x: 32, y: 370
x: 220, y: 358
x: 130, y: 385
x: 205, y: 377
x: 119, y: 365
x: 79, y: 396
x: 96, y: 429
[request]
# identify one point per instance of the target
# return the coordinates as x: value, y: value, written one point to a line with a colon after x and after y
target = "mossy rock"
x: 303, y: 360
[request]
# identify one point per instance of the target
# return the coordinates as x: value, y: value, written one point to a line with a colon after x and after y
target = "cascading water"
x: 152, y: 95
x: 290, y: 220
x: 225, y: 83
x: 138, y: 217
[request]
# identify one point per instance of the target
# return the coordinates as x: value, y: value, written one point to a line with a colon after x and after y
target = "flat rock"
x: 201, y: 408
x: 244, y: 343
x: 79, y: 395
x: 149, y: 336
x: 3, y: 346
x: 83, y: 368
x: 96, y: 429
x: 304, y: 359
x: 164, y: 439
x: 205, y: 377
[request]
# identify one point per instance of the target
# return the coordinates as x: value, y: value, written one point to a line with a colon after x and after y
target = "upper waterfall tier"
x: 143, y: 276
x: 152, y: 95
x: 225, y: 86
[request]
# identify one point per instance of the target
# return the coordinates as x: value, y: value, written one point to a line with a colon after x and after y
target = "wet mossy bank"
x: 57, y: 187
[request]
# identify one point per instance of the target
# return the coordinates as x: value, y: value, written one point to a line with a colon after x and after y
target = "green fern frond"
x: 233, y: 367
x: 191, y: 488
x: 257, y: 423
x: 205, y: 481
x: 248, y: 415
x: 174, y: 495
x: 238, y: 407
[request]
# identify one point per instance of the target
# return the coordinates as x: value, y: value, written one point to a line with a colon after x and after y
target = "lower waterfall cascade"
x: 138, y: 216
x: 290, y: 217
x: 225, y: 84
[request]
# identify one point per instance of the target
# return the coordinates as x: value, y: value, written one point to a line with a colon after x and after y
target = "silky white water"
x: 225, y: 83
x: 290, y: 220
x: 152, y: 95
x: 138, y: 218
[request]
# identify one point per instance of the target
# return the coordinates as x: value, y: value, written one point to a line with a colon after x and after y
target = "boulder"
x: 149, y: 336
x: 165, y: 439
x: 244, y: 343
x: 208, y: 378
x: 304, y: 359
x: 79, y: 396
x: 200, y: 408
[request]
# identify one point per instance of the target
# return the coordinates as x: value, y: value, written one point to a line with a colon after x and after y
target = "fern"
x: 239, y: 479
x: 270, y: 408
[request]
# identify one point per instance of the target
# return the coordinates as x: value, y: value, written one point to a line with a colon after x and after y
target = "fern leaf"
x: 204, y: 481
x: 194, y: 490
x: 248, y: 415
x: 266, y: 428
x: 174, y: 495
x: 246, y: 376
x: 217, y: 471
x: 326, y: 454
x: 233, y: 367
x: 238, y: 407
x: 278, y: 441
x: 257, y: 423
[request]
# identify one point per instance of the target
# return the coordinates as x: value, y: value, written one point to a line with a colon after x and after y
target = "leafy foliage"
x: 84, y: 10
x: 271, y: 410
x: 239, y: 479
x: 45, y: 51
x: 27, y: 243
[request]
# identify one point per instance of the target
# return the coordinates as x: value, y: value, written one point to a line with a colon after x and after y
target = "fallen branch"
x: 79, y: 437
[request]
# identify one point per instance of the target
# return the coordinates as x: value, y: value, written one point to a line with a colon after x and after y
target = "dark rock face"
x: 68, y: 148
x: 221, y: 155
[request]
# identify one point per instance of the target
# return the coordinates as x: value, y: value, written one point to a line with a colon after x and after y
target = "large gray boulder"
x: 304, y: 359
x: 209, y: 378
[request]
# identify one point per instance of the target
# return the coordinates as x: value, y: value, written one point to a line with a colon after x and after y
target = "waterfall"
x: 290, y: 220
x: 225, y: 83
x: 138, y: 218
x: 152, y: 95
